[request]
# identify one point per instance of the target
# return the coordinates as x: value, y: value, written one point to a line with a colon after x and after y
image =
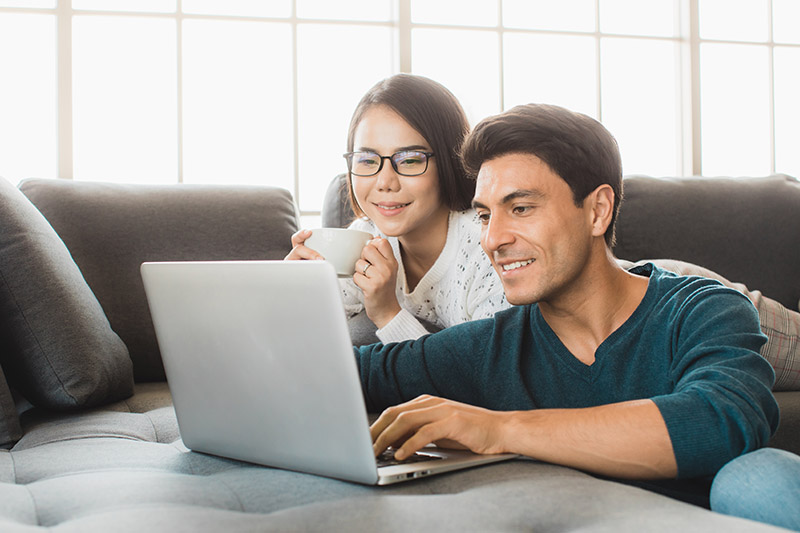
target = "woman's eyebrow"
x: 417, y: 147
x: 413, y: 147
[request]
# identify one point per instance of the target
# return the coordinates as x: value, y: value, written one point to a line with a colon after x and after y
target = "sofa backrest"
x: 110, y: 229
x: 746, y: 229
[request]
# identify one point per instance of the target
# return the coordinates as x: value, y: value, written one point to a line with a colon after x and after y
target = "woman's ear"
x: 602, y: 202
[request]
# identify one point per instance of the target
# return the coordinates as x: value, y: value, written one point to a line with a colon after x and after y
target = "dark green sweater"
x: 691, y: 346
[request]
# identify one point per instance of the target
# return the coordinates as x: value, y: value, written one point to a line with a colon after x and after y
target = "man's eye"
x: 521, y: 209
x: 483, y: 218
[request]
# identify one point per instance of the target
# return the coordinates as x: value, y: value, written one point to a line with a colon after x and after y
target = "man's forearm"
x: 624, y: 440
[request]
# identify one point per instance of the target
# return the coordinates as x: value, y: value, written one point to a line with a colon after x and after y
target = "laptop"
x: 261, y: 369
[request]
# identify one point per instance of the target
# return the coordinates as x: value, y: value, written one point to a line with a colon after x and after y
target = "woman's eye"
x: 365, y: 160
x: 409, y: 161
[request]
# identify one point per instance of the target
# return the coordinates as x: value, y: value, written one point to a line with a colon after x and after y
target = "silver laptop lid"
x: 260, y: 364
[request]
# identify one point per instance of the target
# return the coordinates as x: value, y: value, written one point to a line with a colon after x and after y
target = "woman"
x: 407, y: 186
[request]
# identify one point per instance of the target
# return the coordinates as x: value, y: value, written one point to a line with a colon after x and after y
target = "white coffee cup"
x: 339, y: 246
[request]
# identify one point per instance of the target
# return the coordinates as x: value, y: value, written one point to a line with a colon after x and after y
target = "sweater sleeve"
x: 404, y: 326
x: 721, y: 405
x: 352, y: 296
x: 442, y: 364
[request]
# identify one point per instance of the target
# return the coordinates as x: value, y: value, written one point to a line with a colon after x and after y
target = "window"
x: 248, y: 91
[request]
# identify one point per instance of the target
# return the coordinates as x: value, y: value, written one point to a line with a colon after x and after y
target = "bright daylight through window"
x: 254, y: 92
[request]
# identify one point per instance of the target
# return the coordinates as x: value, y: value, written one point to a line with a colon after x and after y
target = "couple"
x: 616, y: 372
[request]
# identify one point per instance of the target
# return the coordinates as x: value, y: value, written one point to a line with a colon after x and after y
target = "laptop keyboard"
x: 387, y: 458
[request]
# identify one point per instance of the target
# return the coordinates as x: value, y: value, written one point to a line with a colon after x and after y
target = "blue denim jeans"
x: 763, y: 485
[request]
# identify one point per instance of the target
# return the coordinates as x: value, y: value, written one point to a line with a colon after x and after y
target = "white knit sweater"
x: 460, y: 286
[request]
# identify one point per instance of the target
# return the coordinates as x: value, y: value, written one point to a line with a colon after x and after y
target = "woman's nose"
x: 387, y: 179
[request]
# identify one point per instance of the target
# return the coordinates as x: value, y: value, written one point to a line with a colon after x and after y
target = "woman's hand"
x: 300, y: 250
x: 376, y: 275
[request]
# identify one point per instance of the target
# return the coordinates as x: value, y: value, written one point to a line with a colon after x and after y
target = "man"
x: 639, y: 375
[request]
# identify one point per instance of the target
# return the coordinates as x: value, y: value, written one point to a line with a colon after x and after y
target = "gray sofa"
x: 92, y: 442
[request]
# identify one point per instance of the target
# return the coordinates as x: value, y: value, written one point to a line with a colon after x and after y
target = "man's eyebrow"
x: 528, y: 194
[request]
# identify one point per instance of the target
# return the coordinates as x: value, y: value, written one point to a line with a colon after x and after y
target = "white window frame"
x: 689, y: 77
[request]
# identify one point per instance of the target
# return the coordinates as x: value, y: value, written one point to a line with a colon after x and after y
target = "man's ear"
x: 602, y: 202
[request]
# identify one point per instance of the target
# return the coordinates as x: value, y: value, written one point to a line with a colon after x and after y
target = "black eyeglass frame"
x: 349, y: 158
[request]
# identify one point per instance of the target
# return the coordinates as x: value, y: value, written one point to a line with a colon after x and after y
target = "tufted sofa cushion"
x: 123, y: 468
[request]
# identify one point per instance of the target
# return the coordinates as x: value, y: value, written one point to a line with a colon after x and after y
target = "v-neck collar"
x: 590, y: 372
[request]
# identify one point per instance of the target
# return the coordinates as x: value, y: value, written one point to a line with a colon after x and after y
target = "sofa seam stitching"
x: 13, y: 466
x: 234, y: 493
x: 152, y: 425
x: 35, y: 505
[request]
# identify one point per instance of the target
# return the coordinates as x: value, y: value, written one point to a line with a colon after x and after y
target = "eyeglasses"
x: 405, y: 163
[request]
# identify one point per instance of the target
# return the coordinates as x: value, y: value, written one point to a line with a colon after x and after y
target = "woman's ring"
x: 364, y: 270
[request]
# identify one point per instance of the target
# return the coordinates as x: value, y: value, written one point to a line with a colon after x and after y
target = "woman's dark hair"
x: 576, y: 147
x: 437, y: 115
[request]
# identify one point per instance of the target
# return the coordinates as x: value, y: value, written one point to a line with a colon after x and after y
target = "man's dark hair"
x: 431, y: 109
x: 576, y: 147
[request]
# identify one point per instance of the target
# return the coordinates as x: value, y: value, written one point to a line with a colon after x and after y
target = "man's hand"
x: 426, y: 419
x: 626, y: 440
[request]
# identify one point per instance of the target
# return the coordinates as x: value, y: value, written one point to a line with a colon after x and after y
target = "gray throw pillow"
x: 56, y: 345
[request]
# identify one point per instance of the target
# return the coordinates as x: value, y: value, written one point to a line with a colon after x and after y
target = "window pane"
x: 735, y: 20
x: 124, y: 99
x: 553, y: 69
x: 565, y: 15
x: 787, y: 111
x: 634, y: 17
x: 328, y: 93
x: 237, y: 103
x: 455, y: 12
x: 786, y: 21
x: 643, y: 116
x: 152, y: 6
x: 28, y: 105
x: 345, y: 9
x: 734, y: 100
x: 244, y: 8
x: 472, y: 74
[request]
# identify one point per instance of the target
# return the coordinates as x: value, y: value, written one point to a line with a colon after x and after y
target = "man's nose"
x: 496, y: 234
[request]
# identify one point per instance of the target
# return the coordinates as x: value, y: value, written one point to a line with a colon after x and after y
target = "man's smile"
x: 507, y: 267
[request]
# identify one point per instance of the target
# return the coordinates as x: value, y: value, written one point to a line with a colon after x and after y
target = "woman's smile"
x: 390, y: 209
